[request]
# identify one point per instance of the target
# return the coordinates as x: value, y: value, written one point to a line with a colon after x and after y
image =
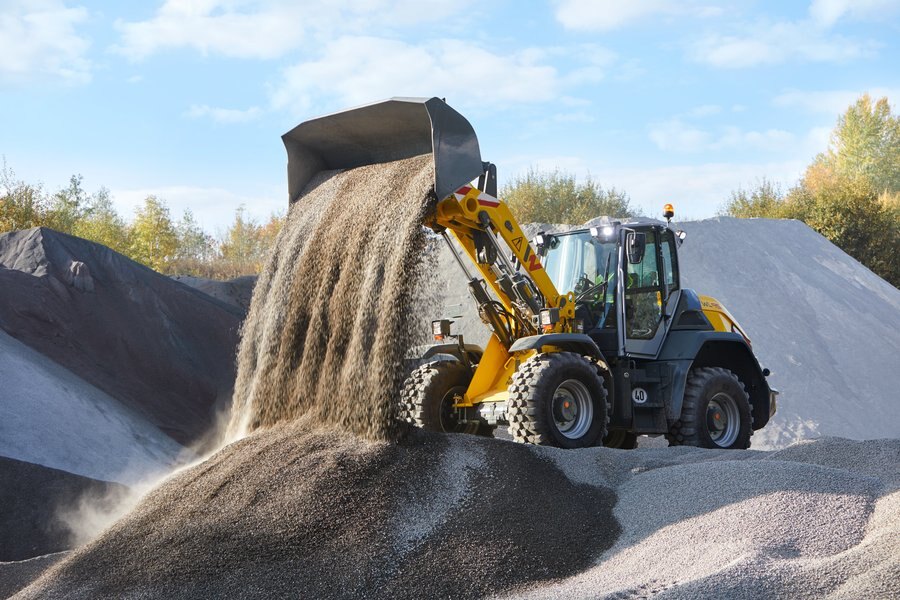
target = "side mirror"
x: 635, y: 244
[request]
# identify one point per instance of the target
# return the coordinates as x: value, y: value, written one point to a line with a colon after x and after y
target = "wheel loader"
x: 593, y: 339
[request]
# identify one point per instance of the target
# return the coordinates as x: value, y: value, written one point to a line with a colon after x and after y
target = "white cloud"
x: 772, y: 43
x: 39, y: 39
x: 675, y: 135
x: 704, y: 110
x: 354, y: 70
x: 212, y: 207
x: 600, y: 15
x: 266, y: 29
x: 607, y: 15
x: 828, y: 12
x: 832, y: 102
x: 224, y: 115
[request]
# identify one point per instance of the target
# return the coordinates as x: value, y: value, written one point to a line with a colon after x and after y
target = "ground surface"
x: 333, y: 516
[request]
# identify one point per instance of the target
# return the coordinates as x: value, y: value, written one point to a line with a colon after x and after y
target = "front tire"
x: 716, y: 412
x: 429, y: 393
x: 557, y: 399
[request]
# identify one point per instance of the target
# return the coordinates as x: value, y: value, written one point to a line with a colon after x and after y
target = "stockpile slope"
x: 289, y: 512
x: 54, y: 418
x: 827, y: 327
x: 161, y: 348
x: 235, y: 292
x: 34, y: 501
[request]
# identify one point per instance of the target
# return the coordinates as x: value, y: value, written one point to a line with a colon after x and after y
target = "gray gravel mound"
x: 235, y: 292
x: 286, y: 512
x: 818, y: 519
x: 16, y: 575
x: 31, y: 497
x: 160, y: 347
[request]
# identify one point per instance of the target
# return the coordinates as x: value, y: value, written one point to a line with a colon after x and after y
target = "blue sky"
x: 671, y: 101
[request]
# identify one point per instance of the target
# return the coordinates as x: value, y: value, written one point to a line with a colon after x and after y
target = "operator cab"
x: 590, y: 263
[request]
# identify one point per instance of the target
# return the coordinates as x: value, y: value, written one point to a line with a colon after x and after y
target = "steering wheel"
x: 584, y: 283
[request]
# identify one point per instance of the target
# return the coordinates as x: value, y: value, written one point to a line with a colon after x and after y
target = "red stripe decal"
x: 464, y: 190
x: 533, y: 263
x: 485, y: 202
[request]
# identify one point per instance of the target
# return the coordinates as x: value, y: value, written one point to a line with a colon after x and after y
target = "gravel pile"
x: 161, y: 348
x: 335, y: 309
x: 236, y: 292
x: 289, y: 512
x: 31, y: 497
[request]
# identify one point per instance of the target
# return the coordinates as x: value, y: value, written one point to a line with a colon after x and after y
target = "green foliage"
x: 556, y: 197
x: 764, y: 200
x: 22, y: 206
x: 850, y: 193
x: 154, y: 241
x: 246, y: 243
x: 865, y: 145
x: 99, y: 222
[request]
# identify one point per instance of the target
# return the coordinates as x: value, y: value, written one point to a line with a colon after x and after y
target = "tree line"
x: 153, y: 238
x: 850, y: 193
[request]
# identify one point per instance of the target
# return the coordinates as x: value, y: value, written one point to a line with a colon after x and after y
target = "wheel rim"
x: 448, y: 418
x: 723, y: 420
x: 573, y: 410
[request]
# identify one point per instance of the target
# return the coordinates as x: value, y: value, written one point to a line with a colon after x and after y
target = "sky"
x: 677, y: 101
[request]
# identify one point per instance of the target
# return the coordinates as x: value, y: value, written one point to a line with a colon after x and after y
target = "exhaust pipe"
x: 381, y: 132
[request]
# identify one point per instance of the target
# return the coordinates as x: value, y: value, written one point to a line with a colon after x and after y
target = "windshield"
x: 577, y: 261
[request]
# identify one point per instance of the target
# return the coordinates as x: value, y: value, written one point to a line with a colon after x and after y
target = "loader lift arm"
x: 476, y: 219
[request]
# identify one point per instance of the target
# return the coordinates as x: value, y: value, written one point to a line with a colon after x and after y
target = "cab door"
x: 650, y: 293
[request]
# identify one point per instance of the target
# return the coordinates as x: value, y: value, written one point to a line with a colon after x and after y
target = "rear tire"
x: 623, y: 440
x: 558, y: 399
x: 716, y: 412
x: 428, y: 394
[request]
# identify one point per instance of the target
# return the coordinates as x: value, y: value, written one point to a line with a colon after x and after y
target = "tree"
x: 850, y: 193
x: 194, y: 244
x: 67, y: 206
x: 101, y: 223
x: 22, y: 205
x: 556, y: 197
x: 764, y: 200
x: 865, y: 144
x: 154, y: 241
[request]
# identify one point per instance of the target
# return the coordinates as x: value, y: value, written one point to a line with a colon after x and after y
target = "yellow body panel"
x: 719, y: 317
x: 459, y: 214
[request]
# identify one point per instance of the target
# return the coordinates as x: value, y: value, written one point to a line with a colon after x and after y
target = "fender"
x: 574, y: 342
x: 473, y: 352
x: 689, y: 349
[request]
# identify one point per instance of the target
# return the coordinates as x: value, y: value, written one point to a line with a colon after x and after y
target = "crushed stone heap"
x: 289, y: 511
x: 161, y: 348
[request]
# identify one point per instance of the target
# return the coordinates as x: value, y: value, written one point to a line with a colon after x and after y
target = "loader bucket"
x: 384, y: 131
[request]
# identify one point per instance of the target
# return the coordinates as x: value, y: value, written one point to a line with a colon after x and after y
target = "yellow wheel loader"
x: 593, y: 339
